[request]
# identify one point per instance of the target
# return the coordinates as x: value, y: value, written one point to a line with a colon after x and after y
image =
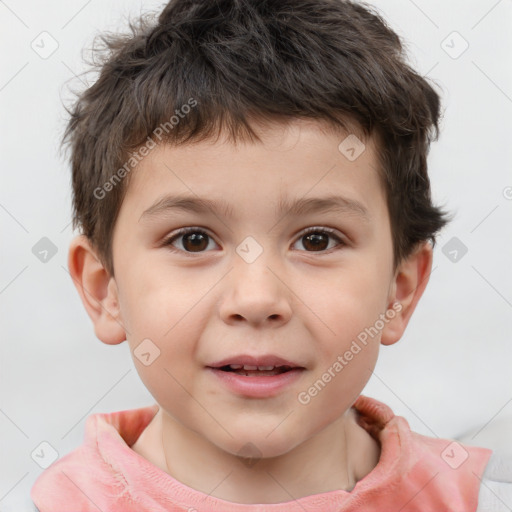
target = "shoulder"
x: 93, y: 476
x: 63, y: 483
x: 77, y: 478
x: 495, y: 493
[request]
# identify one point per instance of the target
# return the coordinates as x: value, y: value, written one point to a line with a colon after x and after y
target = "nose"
x: 256, y: 293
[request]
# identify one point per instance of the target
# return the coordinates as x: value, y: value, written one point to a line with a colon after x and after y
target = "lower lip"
x: 258, y: 387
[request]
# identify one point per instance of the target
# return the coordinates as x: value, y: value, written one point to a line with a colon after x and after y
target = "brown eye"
x: 318, y: 240
x: 193, y: 240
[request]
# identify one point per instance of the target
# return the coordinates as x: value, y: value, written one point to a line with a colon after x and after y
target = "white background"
x: 450, y: 373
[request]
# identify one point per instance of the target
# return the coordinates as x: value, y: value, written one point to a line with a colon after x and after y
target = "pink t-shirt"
x: 415, y: 473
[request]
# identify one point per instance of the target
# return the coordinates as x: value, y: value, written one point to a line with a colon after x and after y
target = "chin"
x: 257, y: 447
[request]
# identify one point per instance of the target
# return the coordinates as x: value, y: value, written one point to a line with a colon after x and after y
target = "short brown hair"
x: 233, y: 61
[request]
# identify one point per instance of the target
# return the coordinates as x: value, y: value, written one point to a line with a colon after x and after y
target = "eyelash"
x: 186, y: 231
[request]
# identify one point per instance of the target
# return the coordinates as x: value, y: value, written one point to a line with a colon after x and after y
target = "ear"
x: 409, y: 283
x: 97, y: 290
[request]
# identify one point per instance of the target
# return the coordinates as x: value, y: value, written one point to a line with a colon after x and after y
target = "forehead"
x: 299, y: 167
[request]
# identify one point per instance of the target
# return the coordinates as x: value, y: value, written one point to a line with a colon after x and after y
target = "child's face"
x: 224, y: 298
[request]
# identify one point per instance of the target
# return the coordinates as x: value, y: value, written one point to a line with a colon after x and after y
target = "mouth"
x: 256, y: 371
x: 256, y: 376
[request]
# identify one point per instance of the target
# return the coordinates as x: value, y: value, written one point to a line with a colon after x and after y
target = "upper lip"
x: 263, y: 360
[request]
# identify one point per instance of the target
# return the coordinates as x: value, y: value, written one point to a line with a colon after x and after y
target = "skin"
x: 302, y: 304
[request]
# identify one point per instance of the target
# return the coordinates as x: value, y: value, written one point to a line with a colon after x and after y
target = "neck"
x: 335, y: 458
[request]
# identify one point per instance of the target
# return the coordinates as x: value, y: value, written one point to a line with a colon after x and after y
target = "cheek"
x: 351, y: 307
x: 347, y: 304
x: 156, y: 299
x: 164, y: 325
x: 173, y: 360
x: 336, y: 385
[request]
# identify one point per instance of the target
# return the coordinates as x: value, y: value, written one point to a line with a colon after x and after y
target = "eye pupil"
x: 198, y: 241
x: 317, y: 241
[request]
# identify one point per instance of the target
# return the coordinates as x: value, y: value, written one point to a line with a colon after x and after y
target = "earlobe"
x: 97, y: 290
x: 410, y: 281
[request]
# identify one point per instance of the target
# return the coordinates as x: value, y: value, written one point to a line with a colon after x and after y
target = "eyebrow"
x: 303, y: 206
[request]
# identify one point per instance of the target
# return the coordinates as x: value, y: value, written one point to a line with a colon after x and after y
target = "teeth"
x: 250, y: 367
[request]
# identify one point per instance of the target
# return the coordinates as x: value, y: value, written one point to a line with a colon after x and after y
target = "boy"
x: 217, y: 149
